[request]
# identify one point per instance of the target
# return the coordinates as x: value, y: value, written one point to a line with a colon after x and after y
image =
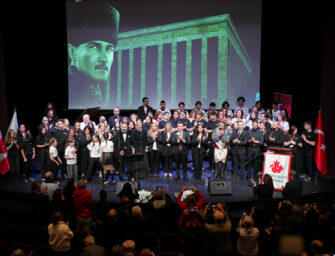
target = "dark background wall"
x: 297, y: 57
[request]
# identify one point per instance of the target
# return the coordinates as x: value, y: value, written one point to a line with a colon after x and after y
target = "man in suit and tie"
x: 143, y: 110
x: 239, y: 140
x: 123, y: 150
x: 181, y: 140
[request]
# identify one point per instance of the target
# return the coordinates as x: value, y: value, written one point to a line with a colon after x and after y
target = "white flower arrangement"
x: 144, y: 196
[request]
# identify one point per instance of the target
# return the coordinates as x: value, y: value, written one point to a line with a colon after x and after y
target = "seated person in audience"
x: 60, y: 234
x: 137, y: 223
x: 160, y: 206
x: 92, y: 249
x: 218, y: 241
x: 39, y: 204
x: 51, y: 183
x: 129, y: 247
x: 247, y: 243
x: 102, y: 207
x: 147, y: 252
x: 241, y: 106
x: 118, y: 250
x: 293, y: 189
x: 18, y: 252
x: 113, y: 230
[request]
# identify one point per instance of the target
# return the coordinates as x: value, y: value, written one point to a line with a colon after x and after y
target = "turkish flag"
x: 4, y: 165
x: 320, y: 153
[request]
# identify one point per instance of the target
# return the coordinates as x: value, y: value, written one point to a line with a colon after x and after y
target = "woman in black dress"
x: 139, y: 141
x: 13, y: 149
x: 294, y: 142
x: 85, y: 140
x: 199, y: 142
x: 165, y: 139
x: 42, y: 145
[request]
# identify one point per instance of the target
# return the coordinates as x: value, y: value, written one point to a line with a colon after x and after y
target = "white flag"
x: 13, y: 124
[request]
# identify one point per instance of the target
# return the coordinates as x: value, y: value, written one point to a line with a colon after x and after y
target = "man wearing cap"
x: 220, y: 138
x: 92, y: 38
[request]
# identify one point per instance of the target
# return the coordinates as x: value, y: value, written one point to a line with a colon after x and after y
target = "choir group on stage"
x: 144, y: 143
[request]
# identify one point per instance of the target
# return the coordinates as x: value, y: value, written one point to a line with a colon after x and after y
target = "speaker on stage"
x: 220, y: 187
x: 119, y: 186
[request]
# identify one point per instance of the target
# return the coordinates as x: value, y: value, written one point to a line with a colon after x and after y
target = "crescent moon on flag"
x: 319, y: 131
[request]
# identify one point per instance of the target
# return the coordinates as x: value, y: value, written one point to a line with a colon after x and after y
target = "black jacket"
x: 139, y: 140
x: 180, y: 146
x: 151, y: 143
x: 243, y: 138
x: 292, y: 191
x: 166, y: 146
x: 61, y: 136
x: 203, y: 144
x: 121, y: 144
x: 141, y: 114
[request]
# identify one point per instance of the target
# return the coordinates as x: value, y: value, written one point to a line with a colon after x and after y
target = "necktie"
x: 181, y: 135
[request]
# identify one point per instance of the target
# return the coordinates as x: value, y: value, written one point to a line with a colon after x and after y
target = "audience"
x: 83, y: 203
x: 60, y: 235
x: 91, y: 248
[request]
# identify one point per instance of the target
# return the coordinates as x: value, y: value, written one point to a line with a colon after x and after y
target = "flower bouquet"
x: 144, y: 196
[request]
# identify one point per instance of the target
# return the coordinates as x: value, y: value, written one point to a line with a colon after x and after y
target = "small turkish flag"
x: 320, y: 153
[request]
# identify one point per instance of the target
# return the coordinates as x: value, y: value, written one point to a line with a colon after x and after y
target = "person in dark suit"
x: 239, y: 140
x: 293, y: 189
x: 255, y: 143
x: 139, y: 141
x: 91, y: 248
x: 123, y: 150
x: 116, y: 115
x: 199, y: 145
x: 181, y: 140
x: 143, y: 110
x: 61, y: 135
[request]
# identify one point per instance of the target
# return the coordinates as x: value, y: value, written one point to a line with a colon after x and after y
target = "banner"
x: 284, y: 101
x: 278, y: 167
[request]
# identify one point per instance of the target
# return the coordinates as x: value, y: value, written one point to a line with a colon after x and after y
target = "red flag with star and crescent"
x: 320, y: 153
x: 4, y: 165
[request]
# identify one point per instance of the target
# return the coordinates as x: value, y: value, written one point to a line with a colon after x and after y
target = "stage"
x: 242, y: 192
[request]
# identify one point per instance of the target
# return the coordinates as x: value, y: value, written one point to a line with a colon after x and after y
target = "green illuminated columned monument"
x: 234, y: 66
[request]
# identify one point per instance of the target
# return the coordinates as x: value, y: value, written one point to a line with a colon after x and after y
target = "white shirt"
x: 275, y: 114
x: 53, y: 151
x: 166, y: 110
x: 69, y: 153
x: 94, y: 150
x: 284, y: 126
x: 235, y: 120
x: 83, y: 125
x: 107, y: 147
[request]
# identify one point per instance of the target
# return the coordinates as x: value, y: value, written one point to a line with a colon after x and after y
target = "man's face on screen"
x: 95, y: 59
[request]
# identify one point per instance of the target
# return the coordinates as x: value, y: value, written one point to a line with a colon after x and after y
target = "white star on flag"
x: 323, y: 147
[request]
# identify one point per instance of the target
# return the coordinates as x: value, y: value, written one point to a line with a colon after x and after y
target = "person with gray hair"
x: 92, y: 249
x: 247, y: 243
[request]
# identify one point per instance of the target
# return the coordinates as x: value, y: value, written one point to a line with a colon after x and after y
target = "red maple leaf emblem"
x: 276, y: 167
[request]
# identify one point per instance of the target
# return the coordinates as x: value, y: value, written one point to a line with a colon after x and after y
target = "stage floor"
x: 241, y: 189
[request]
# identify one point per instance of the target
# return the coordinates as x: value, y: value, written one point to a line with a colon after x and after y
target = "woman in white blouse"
x: 253, y: 116
x: 94, y: 162
x: 238, y: 116
x: 106, y: 155
x: 55, y: 161
x: 283, y: 124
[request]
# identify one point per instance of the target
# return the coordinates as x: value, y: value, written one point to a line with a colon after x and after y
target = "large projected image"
x: 119, y: 53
